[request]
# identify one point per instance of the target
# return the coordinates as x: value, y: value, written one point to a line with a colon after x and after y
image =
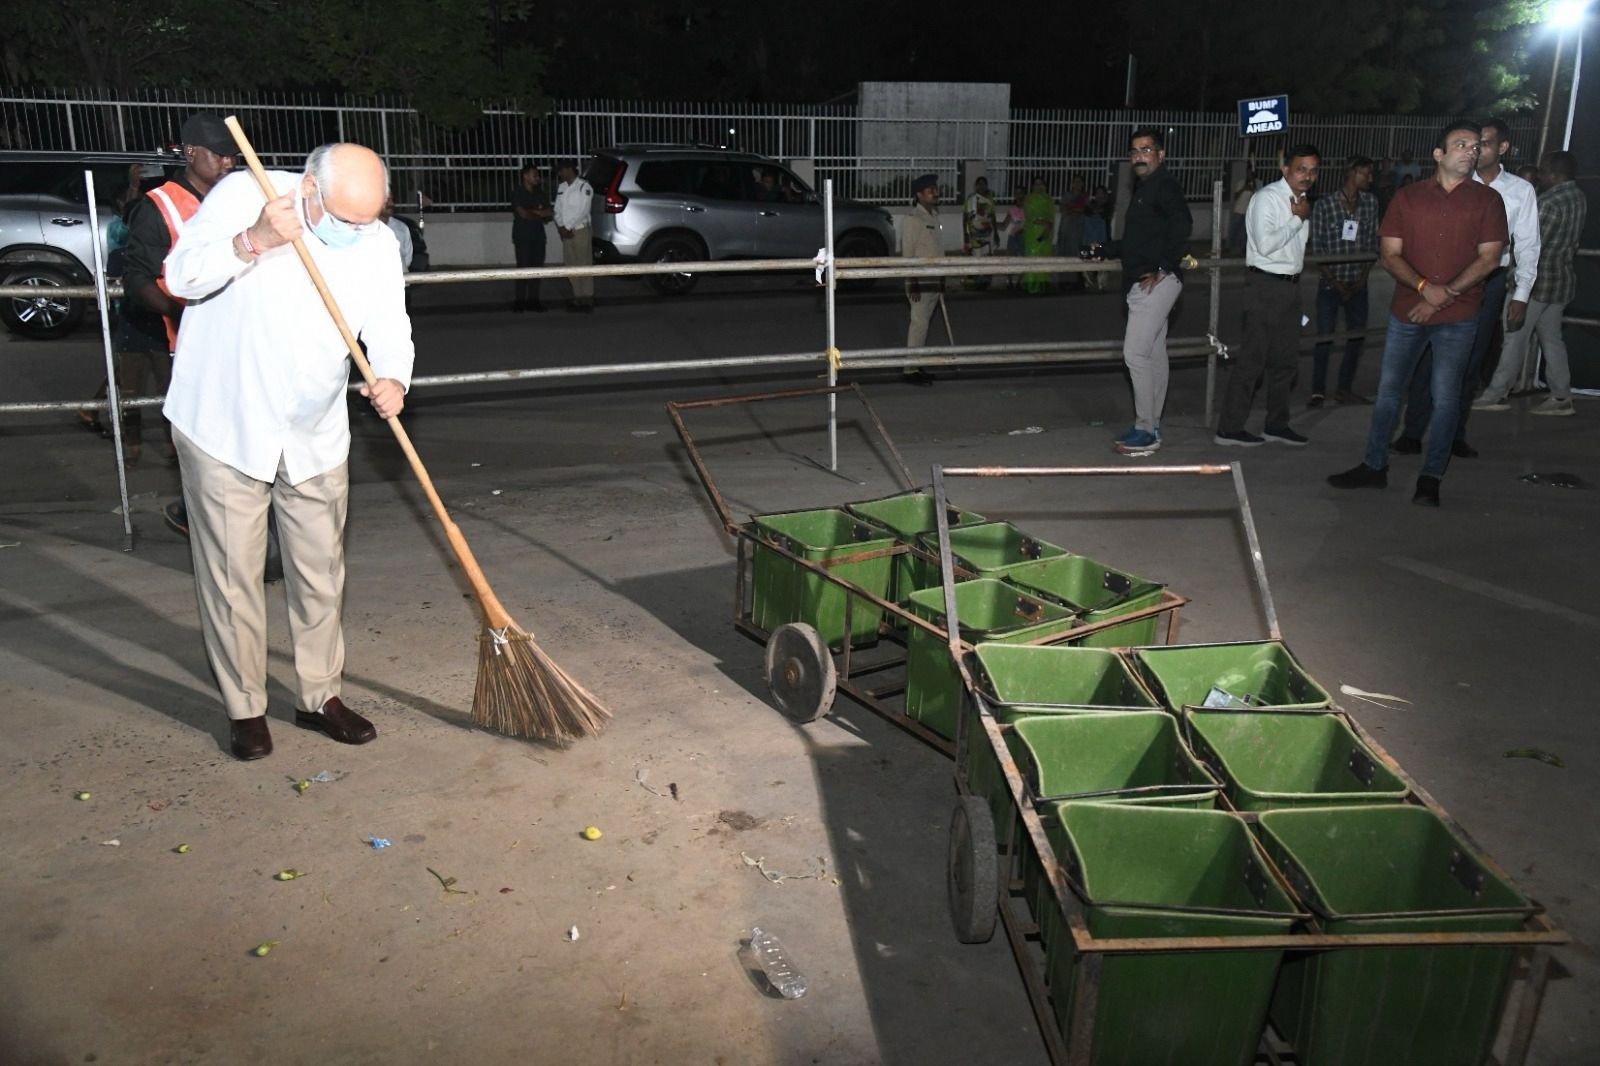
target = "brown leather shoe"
x: 251, y: 739
x: 339, y: 722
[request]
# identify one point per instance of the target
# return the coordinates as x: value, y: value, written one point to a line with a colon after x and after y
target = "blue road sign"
x: 1268, y: 114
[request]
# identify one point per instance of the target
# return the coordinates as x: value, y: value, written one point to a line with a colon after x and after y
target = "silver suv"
x: 44, y: 229
x: 681, y: 203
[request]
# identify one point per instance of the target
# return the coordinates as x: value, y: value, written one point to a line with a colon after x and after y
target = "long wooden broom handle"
x: 496, y: 614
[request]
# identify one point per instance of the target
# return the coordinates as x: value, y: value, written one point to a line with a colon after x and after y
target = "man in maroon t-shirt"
x: 1440, y: 238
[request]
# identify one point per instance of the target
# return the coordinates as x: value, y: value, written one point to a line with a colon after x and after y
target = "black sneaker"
x: 1285, y: 435
x: 1427, y: 494
x: 1239, y: 438
x: 1316, y: 400
x: 1462, y: 450
x: 1360, y: 476
x: 1406, y: 446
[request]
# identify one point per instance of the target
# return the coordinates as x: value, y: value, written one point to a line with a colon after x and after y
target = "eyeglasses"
x: 1143, y: 149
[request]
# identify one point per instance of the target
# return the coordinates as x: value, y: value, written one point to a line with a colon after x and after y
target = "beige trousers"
x: 578, y: 250
x: 228, y: 542
x: 922, y: 310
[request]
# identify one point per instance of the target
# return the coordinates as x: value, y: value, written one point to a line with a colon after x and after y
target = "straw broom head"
x: 521, y: 692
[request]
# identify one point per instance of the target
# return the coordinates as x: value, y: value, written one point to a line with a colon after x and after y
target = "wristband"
x: 1422, y: 283
x: 244, y: 239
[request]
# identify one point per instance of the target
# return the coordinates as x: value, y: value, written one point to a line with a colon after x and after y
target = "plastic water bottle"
x: 790, y: 982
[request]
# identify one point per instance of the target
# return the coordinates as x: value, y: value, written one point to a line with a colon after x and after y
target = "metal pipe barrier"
x: 830, y: 272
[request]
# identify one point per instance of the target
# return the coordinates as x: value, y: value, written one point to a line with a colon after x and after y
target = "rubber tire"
x: 670, y: 249
x: 973, y: 871
x: 44, y: 276
x: 797, y: 660
x: 859, y: 246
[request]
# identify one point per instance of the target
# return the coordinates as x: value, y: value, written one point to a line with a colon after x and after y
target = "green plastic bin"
x: 1019, y: 680
x: 782, y: 592
x: 1395, y: 869
x: 1272, y: 760
x: 1097, y: 591
x: 1134, y: 864
x: 1264, y: 673
x: 988, y: 610
x: 989, y: 549
x: 908, y: 516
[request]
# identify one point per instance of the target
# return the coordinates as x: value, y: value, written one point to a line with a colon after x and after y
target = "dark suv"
x: 680, y: 203
x: 44, y: 229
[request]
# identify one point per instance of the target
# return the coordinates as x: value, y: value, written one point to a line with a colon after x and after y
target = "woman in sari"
x: 1039, y: 226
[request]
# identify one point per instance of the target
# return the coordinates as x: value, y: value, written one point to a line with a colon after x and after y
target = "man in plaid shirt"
x: 1343, y: 223
x: 1562, y: 210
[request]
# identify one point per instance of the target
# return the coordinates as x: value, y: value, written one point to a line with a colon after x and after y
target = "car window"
x: 664, y: 175
x: 110, y: 182
x: 23, y: 178
x: 719, y: 181
x: 602, y: 168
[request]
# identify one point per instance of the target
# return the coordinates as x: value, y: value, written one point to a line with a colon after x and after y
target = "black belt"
x: 1270, y: 274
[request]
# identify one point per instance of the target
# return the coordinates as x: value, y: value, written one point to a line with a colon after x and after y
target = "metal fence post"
x: 113, y: 394
x: 1212, y: 322
x: 833, y: 369
x: 72, y: 132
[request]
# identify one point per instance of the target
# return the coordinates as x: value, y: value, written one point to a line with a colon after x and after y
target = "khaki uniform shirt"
x: 920, y: 238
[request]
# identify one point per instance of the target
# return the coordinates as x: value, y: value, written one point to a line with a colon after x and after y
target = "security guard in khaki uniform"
x: 921, y: 238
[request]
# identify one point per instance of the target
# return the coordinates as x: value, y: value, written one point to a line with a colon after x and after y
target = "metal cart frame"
x: 1027, y: 831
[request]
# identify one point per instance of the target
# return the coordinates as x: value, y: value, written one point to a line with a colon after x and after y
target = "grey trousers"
x: 1271, y: 348
x: 1144, y: 349
x: 228, y: 542
x: 1544, y: 321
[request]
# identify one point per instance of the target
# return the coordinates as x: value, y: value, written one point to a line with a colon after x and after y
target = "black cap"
x: 207, y: 131
x: 926, y: 181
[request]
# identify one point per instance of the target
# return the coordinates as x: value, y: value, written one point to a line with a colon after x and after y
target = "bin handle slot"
x: 1029, y: 609
x: 1029, y: 548
x: 1365, y: 769
x: 1255, y: 881
x: 1465, y: 870
x: 1115, y: 582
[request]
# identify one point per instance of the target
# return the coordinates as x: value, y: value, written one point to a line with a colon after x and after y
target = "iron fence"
x: 869, y: 159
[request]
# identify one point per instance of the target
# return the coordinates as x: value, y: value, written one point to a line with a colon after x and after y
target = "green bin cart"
x: 1270, y: 760
x: 1018, y: 680
x: 1259, y: 673
x: 989, y: 549
x: 1393, y: 869
x: 783, y: 592
x: 908, y: 516
x: 1154, y: 872
x: 1097, y: 591
x: 988, y: 610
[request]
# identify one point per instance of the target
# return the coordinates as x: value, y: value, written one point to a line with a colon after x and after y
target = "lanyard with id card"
x: 1351, y: 228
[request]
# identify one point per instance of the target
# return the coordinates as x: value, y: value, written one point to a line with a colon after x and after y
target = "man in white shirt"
x: 1276, y: 231
x: 258, y: 415
x: 1522, y: 215
x: 573, y: 197
x: 401, y: 231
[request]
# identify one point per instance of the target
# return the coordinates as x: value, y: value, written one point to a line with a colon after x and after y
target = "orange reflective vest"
x: 177, y: 205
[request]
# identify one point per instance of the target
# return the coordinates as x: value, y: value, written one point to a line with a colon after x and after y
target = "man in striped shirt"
x: 1562, y: 210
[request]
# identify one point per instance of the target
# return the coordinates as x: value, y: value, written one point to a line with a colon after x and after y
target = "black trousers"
x: 1270, y: 351
x: 530, y: 253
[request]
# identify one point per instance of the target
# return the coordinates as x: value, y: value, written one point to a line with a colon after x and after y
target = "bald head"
x: 351, y: 178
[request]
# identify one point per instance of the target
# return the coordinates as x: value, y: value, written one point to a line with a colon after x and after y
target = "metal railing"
x: 869, y: 158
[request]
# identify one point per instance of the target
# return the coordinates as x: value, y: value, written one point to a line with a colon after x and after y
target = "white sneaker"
x: 1488, y: 403
x: 1553, y: 406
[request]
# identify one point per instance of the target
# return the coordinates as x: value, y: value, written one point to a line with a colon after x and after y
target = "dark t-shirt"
x: 526, y: 230
x: 1439, y: 233
x: 148, y: 245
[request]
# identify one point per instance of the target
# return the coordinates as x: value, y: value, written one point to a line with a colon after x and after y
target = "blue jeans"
x: 1329, y: 304
x: 1402, y: 348
x: 1420, y: 406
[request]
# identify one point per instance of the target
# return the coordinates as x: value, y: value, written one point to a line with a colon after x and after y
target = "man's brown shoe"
x: 339, y: 722
x: 251, y: 739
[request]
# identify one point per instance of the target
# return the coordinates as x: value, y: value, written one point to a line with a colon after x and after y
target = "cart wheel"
x: 974, y: 873
x: 800, y: 672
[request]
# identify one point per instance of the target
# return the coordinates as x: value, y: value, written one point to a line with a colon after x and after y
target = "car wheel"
x: 44, y: 316
x: 684, y: 249
x: 859, y: 246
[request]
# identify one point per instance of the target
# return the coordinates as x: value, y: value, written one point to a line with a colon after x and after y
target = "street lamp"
x: 1564, y: 15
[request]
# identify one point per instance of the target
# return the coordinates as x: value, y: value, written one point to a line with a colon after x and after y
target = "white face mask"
x: 333, y: 231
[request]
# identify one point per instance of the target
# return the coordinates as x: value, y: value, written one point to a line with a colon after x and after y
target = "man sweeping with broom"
x: 259, y: 417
